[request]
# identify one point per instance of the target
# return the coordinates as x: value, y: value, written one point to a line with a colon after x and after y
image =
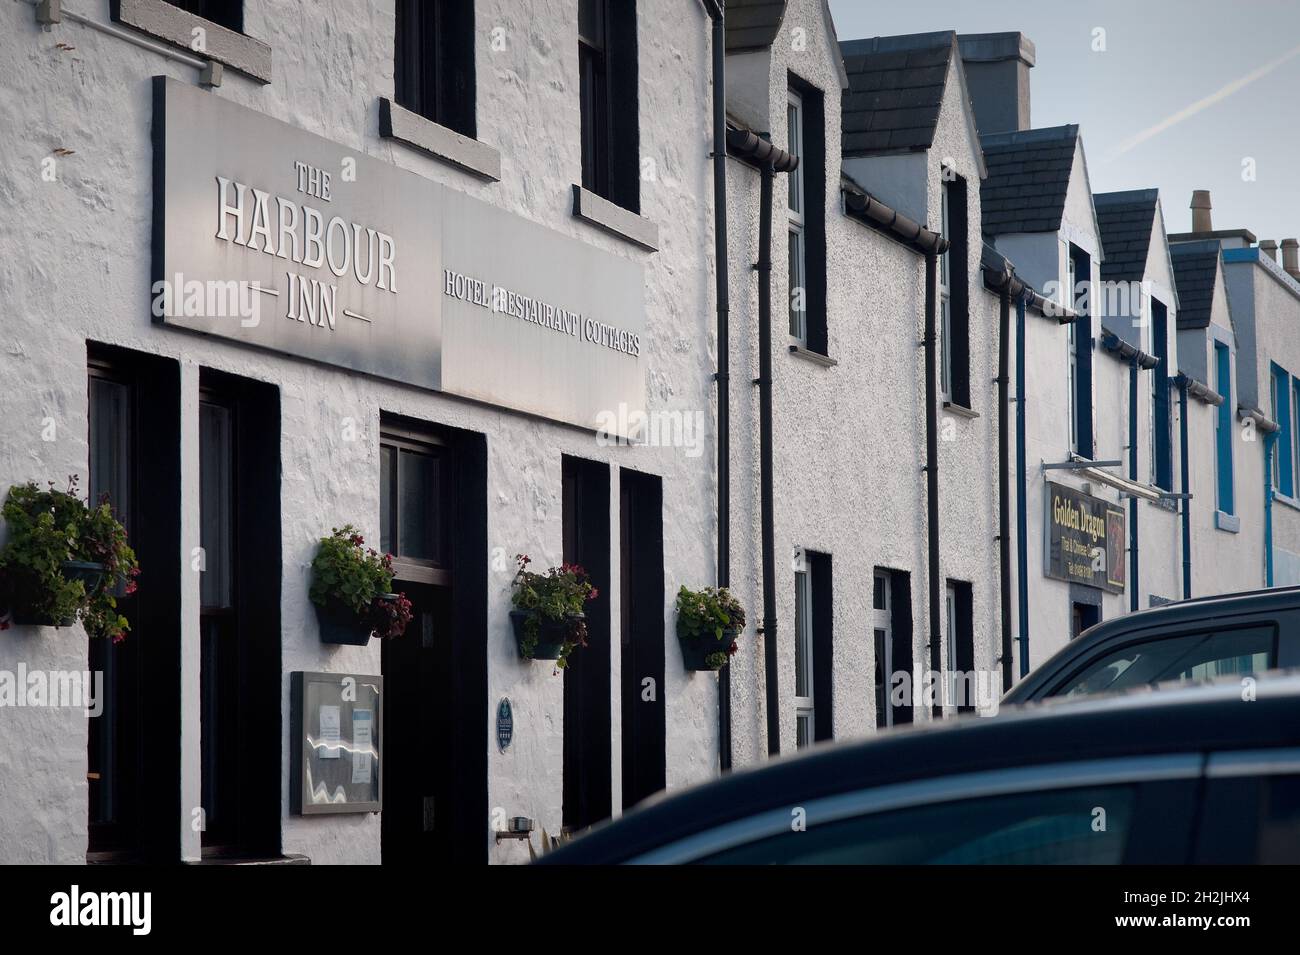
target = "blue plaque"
x: 505, y: 724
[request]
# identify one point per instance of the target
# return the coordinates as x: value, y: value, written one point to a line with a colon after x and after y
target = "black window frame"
x: 1162, y: 445
x: 958, y: 257
x: 433, y: 62
x: 964, y: 641
x: 248, y: 758
x: 812, y: 176
x: 1081, y: 302
x: 435, y: 570
x: 141, y: 691
x: 608, y: 93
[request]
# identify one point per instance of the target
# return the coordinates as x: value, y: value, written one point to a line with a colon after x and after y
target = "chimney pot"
x: 1269, y: 248
x: 1201, y: 211
x: 1291, y: 257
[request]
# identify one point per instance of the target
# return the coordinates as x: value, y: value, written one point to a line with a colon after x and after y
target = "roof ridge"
x: 1016, y: 137
x: 1119, y: 197
x: 898, y: 43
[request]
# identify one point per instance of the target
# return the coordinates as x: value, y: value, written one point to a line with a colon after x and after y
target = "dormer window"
x: 806, y: 141
x: 954, y: 319
x: 797, y: 254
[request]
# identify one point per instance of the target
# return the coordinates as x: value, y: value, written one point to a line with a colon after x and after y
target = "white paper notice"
x: 361, y: 723
x: 329, y: 732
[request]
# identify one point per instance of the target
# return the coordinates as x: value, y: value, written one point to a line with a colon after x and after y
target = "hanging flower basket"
x: 708, y: 622
x: 65, y: 560
x: 548, y: 618
x: 24, y: 616
x: 350, y: 588
x: 89, y: 572
x: 703, y: 655
x: 551, y: 635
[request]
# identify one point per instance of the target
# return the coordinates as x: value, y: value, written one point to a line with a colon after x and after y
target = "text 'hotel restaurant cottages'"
x: 471, y: 280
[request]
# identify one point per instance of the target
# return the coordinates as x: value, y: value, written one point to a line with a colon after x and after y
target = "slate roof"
x: 753, y: 24
x: 1028, y: 177
x: 896, y: 85
x: 1125, y: 220
x: 1195, y: 272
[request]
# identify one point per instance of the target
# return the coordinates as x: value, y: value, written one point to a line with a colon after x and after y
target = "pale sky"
x: 1191, y: 88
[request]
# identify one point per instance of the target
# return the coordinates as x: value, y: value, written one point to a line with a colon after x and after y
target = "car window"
x: 1192, y: 656
x: 1072, y: 826
x: 1279, y: 822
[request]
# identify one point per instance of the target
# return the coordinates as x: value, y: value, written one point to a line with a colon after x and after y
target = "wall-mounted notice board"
x: 337, y: 732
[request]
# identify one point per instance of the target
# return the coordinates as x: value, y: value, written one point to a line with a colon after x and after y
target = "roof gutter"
x: 1005, y: 278
x: 1126, y: 352
x: 1198, y: 390
x: 752, y: 148
x: 866, y: 208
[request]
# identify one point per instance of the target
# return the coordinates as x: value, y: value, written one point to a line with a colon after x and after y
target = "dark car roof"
x: 1194, y: 719
x: 1194, y: 610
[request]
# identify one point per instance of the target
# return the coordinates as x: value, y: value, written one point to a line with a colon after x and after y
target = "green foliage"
x: 555, y: 597
x: 49, y: 527
x: 711, y: 614
x: 347, y: 573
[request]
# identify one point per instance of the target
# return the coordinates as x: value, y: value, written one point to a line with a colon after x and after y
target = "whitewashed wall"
x: 850, y: 439
x: 78, y: 269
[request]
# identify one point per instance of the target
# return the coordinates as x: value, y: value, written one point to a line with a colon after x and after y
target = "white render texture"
x: 74, y: 265
x: 849, y: 440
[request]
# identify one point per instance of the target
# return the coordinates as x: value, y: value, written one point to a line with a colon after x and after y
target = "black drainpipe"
x: 932, y: 467
x: 1004, y: 484
x: 723, y: 377
x: 1133, y: 476
x: 1187, y: 490
x: 754, y: 149
x: 764, y: 383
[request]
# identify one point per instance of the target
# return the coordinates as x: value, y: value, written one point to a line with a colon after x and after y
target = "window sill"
x: 614, y: 219
x: 215, y: 859
x: 1230, y: 523
x: 176, y: 27
x: 817, y: 358
x: 1287, y: 500
x: 960, y: 411
x: 410, y: 128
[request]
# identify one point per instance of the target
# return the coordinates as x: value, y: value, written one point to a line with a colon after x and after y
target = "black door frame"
x: 588, y: 778
x: 464, y: 714
x: 642, y: 629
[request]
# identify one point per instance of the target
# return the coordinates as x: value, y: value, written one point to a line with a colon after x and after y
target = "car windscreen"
x: 1195, y: 657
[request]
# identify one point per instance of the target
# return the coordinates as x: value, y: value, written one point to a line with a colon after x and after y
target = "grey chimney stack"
x: 1269, y: 248
x: 1290, y: 258
x: 1201, y: 211
x: 997, y: 69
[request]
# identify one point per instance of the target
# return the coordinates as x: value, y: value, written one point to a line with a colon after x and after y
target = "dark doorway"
x: 900, y: 636
x: 239, y: 618
x: 1083, y: 616
x: 641, y: 558
x: 433, y: 520
x: 133, y: 761
x: 588, y: 796
x: 823, y: 644
x: 418, y: 690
